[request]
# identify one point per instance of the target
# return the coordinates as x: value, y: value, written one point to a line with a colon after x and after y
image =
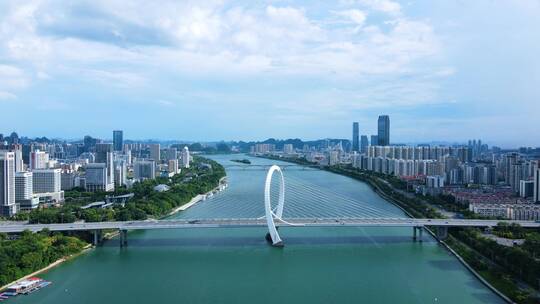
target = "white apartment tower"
x: 47, y: 180
x: 7, y: 183
x: 38, y: 160
x: 24, y: 186
x: 185, y: 157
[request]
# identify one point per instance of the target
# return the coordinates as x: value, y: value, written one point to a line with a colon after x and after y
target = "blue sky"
x: 248, y: 70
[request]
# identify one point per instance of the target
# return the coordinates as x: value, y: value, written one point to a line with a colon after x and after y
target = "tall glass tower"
x: 355, y: 137
x: 118, y: 140
x: 383, y: 130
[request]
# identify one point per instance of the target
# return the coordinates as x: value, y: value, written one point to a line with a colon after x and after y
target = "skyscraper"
x: 7, y: 183
x: 383, y: 130
x: 355, y: 135
x: 374, y: 140
x: 364, y: 143
x: 118, y: 140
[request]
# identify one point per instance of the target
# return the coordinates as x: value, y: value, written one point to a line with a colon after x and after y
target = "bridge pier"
x: 442, y: 232
x: 420, y: 230
x: 123, y: 238
x: 98, y: 237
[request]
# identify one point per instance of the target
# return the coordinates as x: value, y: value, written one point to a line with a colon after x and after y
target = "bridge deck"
x: 253, y: 222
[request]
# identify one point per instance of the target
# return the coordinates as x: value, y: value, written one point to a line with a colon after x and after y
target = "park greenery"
x: 509, y: 269
x: 201, y: 177
x: 33, y: 251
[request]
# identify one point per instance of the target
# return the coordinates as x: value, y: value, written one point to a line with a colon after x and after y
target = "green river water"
x: 317, y: 265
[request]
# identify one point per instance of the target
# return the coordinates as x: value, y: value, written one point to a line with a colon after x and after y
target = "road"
x: 254, y: 222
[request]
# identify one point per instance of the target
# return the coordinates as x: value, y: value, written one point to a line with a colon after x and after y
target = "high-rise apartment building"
x: 24, y: 188
x: 102, y: 149
x: 355, y: 137
x: 47, y: 180
x: 144, y: 169
x: 186, y: 158
x: 19, y: 163
x: 120, y: 173
x: 38, y: 160
x: 155, y: 152
x: 97, y: 178
x: 118, y: 140
x: 104, y: 155
x: 7, y: 183
x: 173, y: 166
x: 383, y: 130
x: 172, y: 153
x: 536, y: 190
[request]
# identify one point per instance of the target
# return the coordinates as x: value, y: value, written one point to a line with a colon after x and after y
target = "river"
x: 317, y: 265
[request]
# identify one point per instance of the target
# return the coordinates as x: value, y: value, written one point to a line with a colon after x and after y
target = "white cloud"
x: 7, y: 95
x: 115, y: 78
x: 11, y: 79
x: 386, y: 6
x: 355, y: 15
x: 211, y: 39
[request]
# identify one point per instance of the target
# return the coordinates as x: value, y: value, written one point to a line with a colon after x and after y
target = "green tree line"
x: 33, y: 251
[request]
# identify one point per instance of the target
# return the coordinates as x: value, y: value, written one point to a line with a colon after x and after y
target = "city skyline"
x: 437, y: 71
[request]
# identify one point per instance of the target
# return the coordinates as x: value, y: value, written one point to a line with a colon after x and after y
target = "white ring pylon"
x: 269, y: 213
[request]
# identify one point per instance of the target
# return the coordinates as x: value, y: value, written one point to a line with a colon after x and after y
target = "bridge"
x: 272, y: 220
x: 288, y: 167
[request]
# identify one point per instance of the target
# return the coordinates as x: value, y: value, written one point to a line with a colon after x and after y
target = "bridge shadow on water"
x: 257, y: 241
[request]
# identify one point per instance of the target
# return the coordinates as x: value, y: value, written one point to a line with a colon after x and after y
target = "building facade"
x: 144, y: 169
x: 355, y: 137
x: 7, y: 184
x: 47, y: 180
x: 118, y: 140
x: 38, y: 160
x: 97, y: 178
x: 24, y: 191
x: 186, y: 158
x: 383, y: 130
x: 155, y: 152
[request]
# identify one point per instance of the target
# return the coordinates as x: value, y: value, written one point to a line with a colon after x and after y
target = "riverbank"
x: 48, y: 267
x: 198, y: 198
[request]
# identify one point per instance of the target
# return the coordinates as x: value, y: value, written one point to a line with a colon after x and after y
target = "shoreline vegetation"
x: 49, y: 267
x: 34, y: 253
x: 509, y: 271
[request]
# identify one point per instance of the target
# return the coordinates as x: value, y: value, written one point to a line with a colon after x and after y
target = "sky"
x: 250, y: 70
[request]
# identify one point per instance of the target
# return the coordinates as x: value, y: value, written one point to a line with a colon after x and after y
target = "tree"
x: 532, y: 244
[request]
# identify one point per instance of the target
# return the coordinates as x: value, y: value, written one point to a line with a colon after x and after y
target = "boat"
x: 243, y: 161
x: 24, y: 287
